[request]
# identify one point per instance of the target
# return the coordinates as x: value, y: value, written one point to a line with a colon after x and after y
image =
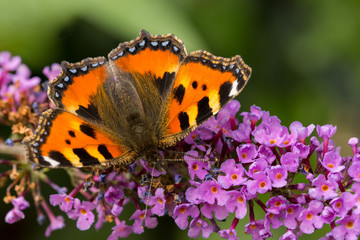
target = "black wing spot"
x: 71, y: 133
x: 164, y: 83
x: 184, y: 120
x: 88, y: 130
x: 67, y: 141
x: 224, y: 92
x: 179, y: 93
x: 194, y: 84
x: 204, y: 87
x: 91, y: 112
x: 58, y: 156
x: 204, y: 110
x: 85, y: 158
x: 105, y: 152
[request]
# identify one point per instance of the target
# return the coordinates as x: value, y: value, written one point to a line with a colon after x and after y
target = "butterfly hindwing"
x: 63, y: 139
x: 203, y: 85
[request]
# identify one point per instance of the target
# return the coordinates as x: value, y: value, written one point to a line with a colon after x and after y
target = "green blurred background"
x: 305, y: 57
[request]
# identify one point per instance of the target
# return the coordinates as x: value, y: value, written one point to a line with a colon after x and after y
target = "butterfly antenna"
x: 185, y: 154
x: 148, y: 195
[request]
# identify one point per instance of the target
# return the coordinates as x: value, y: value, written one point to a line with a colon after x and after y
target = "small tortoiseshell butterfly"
x: 148, y: 96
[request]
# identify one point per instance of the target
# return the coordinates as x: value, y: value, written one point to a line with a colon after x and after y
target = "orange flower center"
x: 255, y: 171
x: 272, y: 141
x: 330, y: 165
x: 214, y: 189
x: 350, y: 224
x: 142, y: 216
x: 160, y: 201
x: 338, y: 205
x: 277, y: 204
x: 240, y: 199
x: 286, y: 142
x: 199, y: 224
x: 67, y: 199
x: 243, y: 155
x: 309, y: 216
x: 182, y: 210
x: 262, y: 184
x: 83, y: 211
x: 195, y: 166
x: 234, y: 177
x: 325, y: 187
x: 253, y: 226
x: 290, y: 210
x: 271, y: 215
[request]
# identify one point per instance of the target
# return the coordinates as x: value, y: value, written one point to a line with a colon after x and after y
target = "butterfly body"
x: 148, y: 96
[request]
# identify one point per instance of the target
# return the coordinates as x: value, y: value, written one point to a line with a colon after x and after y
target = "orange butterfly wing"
x: 203, y: 85
x: 63, y: 139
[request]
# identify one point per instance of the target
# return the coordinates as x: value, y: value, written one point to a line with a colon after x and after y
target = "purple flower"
x: 139, y: 217
x: 194, y: 139
x: 52, y: 72
x: 261, y: 183
x: 246, y: 153
x: 291, y: 213
x: 259, y: 166
x: 353, y: 200
x: 242, y: 133
x: 83, y: 213
x: 289, y: 235
x: 310, y: 218
x: 270, y: 132
x: 9, y: 63
x: 278, y: 175
x: 211, y: 191
x: 290, y: 161
x: 354, y: 171
x: 20, y: 203
x: 274, y: 220
x: 323, y: 188
x: 65, y: 201
x: 326, y: 131
x: 338, y: 205
x: 233, y: 174
x: 353, y: 142
x: 120, y: 230
x: 256, y: 228
x: 237, y: 203
x: 220, y: 212
x: 14, y: 215
x: 300, y: 149
x: 276, y: 204
x: 302, y: 132
x: 113, y: 195
x: 328, y: 214
x: 55, y: 223
x: 332, y: 162
x: 348, y: 228
x: 266, y: 153
x: 229, y: 234
x: 196, y: 166
x: 182, y: 212
x: 193, y: 194
x: 197, y: 226
x: 158, y: 202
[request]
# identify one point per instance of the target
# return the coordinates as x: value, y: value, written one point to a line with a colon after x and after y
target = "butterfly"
x: 148, y: 95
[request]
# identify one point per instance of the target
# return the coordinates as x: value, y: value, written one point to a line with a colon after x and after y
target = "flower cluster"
x: 218, y: 172
x: 22, y: 97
